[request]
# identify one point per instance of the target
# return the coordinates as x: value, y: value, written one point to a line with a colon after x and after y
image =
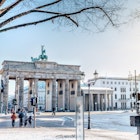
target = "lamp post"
x: 89, y: 97
x: 88, y: 106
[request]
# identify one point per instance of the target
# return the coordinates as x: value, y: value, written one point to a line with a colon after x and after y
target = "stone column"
x: 74, y: 89
x: 17, y: 92
x: 91, y: 99
x: 30, y: 93
x: 112, y: 101
x: 108, y: 101
x: 36, y: 90
x: 21, y: 91
x: 54, y: 93
x: 63, y: 89
x: 5, y: 93
x: 78, y: 88
x: 67, y: 93
x: 1, y: 101
x: 48, y: 95
x: 36, y: 87
x: 60, y: 94
x: 59, y: 99
x: 98, y: 102
x: 101, y: 102
x: 105, y: 103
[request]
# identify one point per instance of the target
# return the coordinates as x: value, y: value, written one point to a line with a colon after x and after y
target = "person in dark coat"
x: 30, y: 120
x: 21, y: 116
x: 53, y: 111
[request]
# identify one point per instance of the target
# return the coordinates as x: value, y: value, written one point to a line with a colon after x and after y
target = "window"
x: 103, y: 82
x: 115, y: 96
x: 48, y: 84
x: 30, y: 91
x: 60, y: 85
x: 116, y: 105
x: 60, y: 92
x: 72, y: 85
x: 131, y: 104
x: 122, y: 89
x: 115, y: 89
x: 48, y: 92
x: 72, y: 92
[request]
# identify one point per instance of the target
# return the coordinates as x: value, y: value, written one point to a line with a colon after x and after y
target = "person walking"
x: 13, y: 117
x: 21, y: 116
x: 30, y: 120
x: 25, y: 120
x: 53, y: 111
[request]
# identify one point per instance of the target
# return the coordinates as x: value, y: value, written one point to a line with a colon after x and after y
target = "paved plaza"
x: 60, y: 127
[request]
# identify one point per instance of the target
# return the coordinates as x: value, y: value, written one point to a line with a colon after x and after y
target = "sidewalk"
x: 62, y: 134
x: 58, y: 133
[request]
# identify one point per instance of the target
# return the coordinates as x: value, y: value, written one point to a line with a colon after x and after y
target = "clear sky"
x: 114, y: 52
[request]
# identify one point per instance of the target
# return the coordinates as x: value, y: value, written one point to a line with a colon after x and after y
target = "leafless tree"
x: 74, y: 13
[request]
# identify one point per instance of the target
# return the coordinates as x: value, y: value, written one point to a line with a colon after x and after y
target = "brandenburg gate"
x: 62, y: 82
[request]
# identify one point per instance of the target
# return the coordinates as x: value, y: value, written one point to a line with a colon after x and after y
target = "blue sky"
x: 114, y: 52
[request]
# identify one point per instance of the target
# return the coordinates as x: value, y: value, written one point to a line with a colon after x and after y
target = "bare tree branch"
x: 67, y: 15
x: 49, y: 4
x: 1, y: 2
x: 7, y: 9
x: 25, y: 13
x: 80, y: 13
x: 37, y: 22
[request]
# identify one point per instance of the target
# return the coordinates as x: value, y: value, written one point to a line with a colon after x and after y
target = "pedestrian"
x: 53, y: 111
x: 25, y: 120
x: 13, y: 117
x: 21, y: 116
x: 30, y: 120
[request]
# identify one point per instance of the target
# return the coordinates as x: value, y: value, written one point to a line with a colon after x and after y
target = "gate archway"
x: 62, y: 82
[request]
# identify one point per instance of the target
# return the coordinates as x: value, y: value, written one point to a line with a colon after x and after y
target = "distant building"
x: 122, y: 90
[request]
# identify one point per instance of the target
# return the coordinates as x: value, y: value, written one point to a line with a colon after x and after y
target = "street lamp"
x: 89, y: 98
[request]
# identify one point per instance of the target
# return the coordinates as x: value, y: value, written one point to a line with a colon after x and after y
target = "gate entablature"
x: 40, y: 70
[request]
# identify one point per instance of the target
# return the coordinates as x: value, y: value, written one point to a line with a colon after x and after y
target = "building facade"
x: 123, y: 88
x: 97, y: 98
